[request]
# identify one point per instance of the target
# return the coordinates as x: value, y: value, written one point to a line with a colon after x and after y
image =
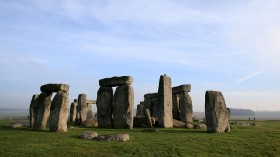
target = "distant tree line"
x: 241, y: 112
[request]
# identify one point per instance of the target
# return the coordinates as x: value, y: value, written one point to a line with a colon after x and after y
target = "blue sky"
x: 229, y: 46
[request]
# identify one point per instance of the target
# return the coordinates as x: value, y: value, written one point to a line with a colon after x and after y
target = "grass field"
x: 241, y: 141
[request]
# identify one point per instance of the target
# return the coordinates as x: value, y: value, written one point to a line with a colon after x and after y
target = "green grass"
x: 241, y: 141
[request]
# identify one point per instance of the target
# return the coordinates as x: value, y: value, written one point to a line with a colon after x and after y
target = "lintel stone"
x: 181, y: 88
x: 116, y: 81
x: 48, y: 88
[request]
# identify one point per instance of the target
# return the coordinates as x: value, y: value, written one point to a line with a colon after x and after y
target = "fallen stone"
x: 181, y: 88
x: 89, y: 135
x: 148, y: 118
x: 48, y: 88
x: 178, y: 124
x: 188, y: 126
x: 216, y: 113
x: 16, y: 125
x: 116, y: 81
x: 90, y: 122
x: 165, y: 118
x: 199, y: 126
x: 116, y: 137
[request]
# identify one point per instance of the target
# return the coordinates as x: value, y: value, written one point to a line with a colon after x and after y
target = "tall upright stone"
x: 175, y: 106
x: 43, y: 113
x: 123, y: 107
x: 165, y: 102
x: 140, y: 110
x: 216, y: 113
x: 151, y: 103
x: 185, y: 105
x: 33, y: 109
x: 104, y: 107
x: 59, y: 112
x: 89, y: 108
x: 82, y: 103
x: 73, y: 110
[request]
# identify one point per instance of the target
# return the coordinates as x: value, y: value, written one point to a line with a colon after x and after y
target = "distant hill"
x: 241, y: 112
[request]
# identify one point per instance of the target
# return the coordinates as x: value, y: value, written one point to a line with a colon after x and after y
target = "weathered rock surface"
x: 89, y: 111
x: 199, y: 126
x: 33, y: 109
x: 90, y: 122
x: 140, y: 110
x: 189, y: 126
x: 139, y: 121
x: 89, y: 135
x: 48, y: 88
x: 185, y: 105
x: 150, y: 95
x: 73, y: 111
x: 148, y: 118
x: 59, y: 112
x: 16, y: 124
x: 116, y: 81
x: 82, y: 106
x: 175, y: 106
x: 123, y: 103
x: 43, y: 113
x: 104, y: 107
x: 181, y: 88
x: 165, y: 102
x: 91, y: 101
x: 178, y: 124
x: 117, y: 137
x: 216, y: 113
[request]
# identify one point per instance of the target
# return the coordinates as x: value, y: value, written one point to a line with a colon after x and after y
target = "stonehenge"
x: 169, y: 107
x: 115, y: 110
x: 216, y: 112
x: 44, y: 110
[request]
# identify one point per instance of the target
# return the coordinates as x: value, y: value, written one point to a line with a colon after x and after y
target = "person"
x: 249, y: 118
x: 254, y: 118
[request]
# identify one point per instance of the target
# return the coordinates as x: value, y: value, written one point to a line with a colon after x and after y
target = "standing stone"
x: 33, y: 109
x: 148, y: 118
x: 82, y: 103
x: 186, y: 110
x: 73, y: 110
x: 165, y: 118
x: 216, y: 113
x: 89, y: 109
x: 59, y: 112
x: 43, y: 113
x: 175, y: 106
x: 155, y: 112
x: 140, y: 110
x: 123, y: 107
x: 104, y: 107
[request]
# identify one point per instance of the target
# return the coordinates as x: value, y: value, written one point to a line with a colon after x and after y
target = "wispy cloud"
x: 250, y: 76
